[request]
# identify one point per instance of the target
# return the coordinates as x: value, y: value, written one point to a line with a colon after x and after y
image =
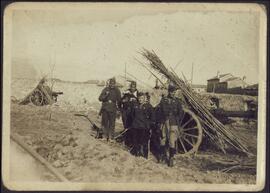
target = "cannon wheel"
x: 36, y: 98
x: 190, y: 133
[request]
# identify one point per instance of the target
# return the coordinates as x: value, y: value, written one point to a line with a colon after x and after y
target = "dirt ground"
x: 68, y: 143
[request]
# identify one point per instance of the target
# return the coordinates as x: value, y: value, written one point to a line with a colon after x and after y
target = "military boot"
x: 162, y: 155
x: 171, y: 157
x: 145, y: 151
x: 170, y: 162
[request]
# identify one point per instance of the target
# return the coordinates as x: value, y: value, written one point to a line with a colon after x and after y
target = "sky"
x: 97, y: 42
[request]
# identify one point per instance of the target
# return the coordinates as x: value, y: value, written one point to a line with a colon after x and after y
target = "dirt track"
x: 66, y: 142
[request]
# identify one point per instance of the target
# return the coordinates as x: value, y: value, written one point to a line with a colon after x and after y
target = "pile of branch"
x: 219, y: 135
x: 230, y: 165
x: 241, y: 166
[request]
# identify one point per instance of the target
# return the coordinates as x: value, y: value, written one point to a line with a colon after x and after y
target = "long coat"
x: 110, y: 98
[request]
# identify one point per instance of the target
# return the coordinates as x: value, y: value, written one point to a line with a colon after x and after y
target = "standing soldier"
x: 128, y: 100
x: 133, y: 90
x: 171, y: 112
x: 111, y: 99
x: 140, y: 127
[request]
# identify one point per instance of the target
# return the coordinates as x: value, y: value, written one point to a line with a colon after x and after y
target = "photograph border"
x: 261, y: 147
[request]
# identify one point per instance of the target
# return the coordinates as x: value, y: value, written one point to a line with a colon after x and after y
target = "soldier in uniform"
x: 111, y: 100
x: 140, y: 127
x: 133, y: 89
x: 171, y: 112
x: 128, y: 100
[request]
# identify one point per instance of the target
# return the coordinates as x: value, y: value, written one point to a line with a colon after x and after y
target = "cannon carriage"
x: 191, y: 133
x: 198, y: 121
x: 41, y: 95
x: 249, y: 111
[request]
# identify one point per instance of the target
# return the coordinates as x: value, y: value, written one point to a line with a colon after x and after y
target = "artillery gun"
x: 197, y: 118
x: 41, y: 95
x: 249, y: 112
x: 192, y: 134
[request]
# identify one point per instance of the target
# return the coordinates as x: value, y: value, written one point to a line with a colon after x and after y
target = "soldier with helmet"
x: 171, y: 111
x: 130, y: 97
x: 111, y: 100
x: 141, y: 113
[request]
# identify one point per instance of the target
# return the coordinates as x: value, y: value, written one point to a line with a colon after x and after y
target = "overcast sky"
x: 97, y: 42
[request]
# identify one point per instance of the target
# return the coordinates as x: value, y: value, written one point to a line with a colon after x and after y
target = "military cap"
x: 147, y: 95
x: 133, y: 83
x: 172, y: 87
x: 112, y: 81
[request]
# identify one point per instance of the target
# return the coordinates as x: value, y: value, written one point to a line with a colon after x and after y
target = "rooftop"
x: 219, y: 76
x: 230, y: 79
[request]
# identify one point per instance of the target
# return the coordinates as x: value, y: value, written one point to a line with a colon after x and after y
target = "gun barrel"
x: 57, y: 93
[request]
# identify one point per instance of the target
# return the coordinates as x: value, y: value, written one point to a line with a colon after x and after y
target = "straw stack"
x: 221, y: 136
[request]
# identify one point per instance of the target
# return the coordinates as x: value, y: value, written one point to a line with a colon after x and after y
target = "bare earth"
x: 67, y: 142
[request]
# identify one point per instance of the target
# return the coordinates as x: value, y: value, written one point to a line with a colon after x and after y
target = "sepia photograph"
x: 134, y: 96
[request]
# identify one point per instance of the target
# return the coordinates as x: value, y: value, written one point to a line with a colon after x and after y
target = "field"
x: 68, y: 143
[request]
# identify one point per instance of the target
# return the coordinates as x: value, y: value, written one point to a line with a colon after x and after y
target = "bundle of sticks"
x: 249, y: 164
x: 234, y: 163
x: 221, y: 136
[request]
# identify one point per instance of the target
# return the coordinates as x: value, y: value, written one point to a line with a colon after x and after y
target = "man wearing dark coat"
x: 171, y: 112
x: 140, y: 127
x: 111, y: 100
x: 128, y: 100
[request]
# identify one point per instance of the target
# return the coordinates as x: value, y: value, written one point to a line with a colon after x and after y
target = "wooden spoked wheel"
x: 36, y: 98
x: 189, y: 133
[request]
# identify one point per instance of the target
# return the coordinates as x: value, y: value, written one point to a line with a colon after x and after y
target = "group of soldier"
x: 141, y: 120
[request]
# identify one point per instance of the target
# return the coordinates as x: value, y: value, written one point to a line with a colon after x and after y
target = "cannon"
x: 250, y: 112
x: 191, y: 132
x: 41, y: 95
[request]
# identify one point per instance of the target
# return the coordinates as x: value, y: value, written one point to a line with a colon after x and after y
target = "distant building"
x: 224, y: 82
x: 198, y: 88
